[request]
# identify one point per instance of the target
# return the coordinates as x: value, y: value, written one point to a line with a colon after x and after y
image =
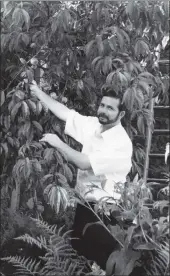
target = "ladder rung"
x: 162, y: 180
x: 163, y: 61
x: 164, y: 107
x: 162, y: 155
x: 161, y: 131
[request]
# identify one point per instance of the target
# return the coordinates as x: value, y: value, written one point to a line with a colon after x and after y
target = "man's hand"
x: 52, y: 139
x: 34, y: 88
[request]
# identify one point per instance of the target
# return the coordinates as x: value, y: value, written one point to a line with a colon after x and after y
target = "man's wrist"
x: 38, y: 91
x: 60, y: 145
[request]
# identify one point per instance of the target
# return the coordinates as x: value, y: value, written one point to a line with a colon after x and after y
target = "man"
x: 105, y: 160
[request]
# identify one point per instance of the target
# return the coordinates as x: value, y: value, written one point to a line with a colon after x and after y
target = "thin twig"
x: 103, y: 223
x: 23, y: 68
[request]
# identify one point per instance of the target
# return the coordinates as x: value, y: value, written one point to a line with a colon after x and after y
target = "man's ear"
x: 122, y: 114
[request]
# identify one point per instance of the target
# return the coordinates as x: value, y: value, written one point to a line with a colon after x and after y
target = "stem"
x: 149, y: 136
x: 103, y: 224
x: 22, y: 69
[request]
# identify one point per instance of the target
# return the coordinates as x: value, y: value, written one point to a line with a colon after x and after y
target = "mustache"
x: 102, y: 115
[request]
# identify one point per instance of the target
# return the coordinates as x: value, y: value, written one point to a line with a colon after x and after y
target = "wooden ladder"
x: 164, y: 68
x: 150, y: 133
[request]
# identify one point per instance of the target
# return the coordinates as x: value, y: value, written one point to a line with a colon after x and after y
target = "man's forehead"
x: 110, y: 101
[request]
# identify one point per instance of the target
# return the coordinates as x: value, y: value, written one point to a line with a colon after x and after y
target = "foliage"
x: 59, y: 259
x: 76, y: 55
x: 73, y: 50
x: 143, y: 236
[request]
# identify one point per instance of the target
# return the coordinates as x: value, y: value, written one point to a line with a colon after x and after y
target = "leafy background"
x: 73, y: 50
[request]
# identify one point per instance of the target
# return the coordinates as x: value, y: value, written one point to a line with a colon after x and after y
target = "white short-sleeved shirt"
x: 109, y: 152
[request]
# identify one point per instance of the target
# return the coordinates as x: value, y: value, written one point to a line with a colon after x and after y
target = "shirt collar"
x: 108, y: 134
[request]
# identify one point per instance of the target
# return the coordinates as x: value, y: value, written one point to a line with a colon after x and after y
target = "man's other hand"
x: 52, y: 139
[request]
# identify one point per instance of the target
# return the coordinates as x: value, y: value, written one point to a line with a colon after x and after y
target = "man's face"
x: 108, y: 111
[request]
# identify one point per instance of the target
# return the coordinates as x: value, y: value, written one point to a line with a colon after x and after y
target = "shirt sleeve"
x: 111, y: 160
x: 78, y: 126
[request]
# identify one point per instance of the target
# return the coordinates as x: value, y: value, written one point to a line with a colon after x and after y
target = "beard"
x: 104, y: 120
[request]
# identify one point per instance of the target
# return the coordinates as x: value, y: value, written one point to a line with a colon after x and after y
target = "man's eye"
x: 110, y: 108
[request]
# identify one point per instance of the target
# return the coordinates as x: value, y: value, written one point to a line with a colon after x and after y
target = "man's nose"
x: 104, y: 110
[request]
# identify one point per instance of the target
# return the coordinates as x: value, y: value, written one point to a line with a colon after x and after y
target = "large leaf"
x: 25, y: 39
x: 145, y: 246
x: 99, y: 44
x: 17, y: 16
x: 109, y: 78
x: 141, y: 48
x: 2, y: 98
x: 25, y: 110
x: 122, y: 262
x: 88, y: 47
x: 129, y: 98
x: 15, y: 110
x: 26, y: 18
x: 38, y: 126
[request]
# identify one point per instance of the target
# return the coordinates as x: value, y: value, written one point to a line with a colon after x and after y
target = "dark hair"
x: 108, y: 92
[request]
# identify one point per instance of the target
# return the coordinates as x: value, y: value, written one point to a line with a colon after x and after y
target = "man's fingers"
x: 43, y: 139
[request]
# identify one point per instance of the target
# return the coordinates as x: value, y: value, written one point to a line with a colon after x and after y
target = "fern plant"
x: 60, y: 259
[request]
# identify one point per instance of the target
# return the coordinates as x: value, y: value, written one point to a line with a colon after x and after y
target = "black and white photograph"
x: 84, y: 138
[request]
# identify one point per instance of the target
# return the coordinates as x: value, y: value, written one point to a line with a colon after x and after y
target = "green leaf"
x: 25, y: 38
x: 89, y: 47
x: 139, y: 98
x: 109, y: 78
x: 48, y: 154
x: 36, y: 35
x: 126, y: 36
x: 123, y: 79
x: 2, y: 97
x: 23, y: 61
x: 20, y: 94
x: 32, y: 106
x: 122, y: 262
x: 17, y: 17
x: 129, y: 7
x: 141, y: 48
x: 99, y: 44
x: 68, y: 173
x: 37, y: 125
x: 15, y: 110
x: 10, y: 141
x: 7, y: 122
x: 120, y: 39
x: 145, y: 246
x: 107, y: 65
x: 47, y: 178
x: 95, y: 61
x: 112, y: 43
x: 37, y: 166
x: 26, y: 18
x: 5, y: 148
x: 8, y: 7
x: 25, y: 110
x: 129, y: 98
x: 30, y: 203
x: 27, y: 168
x: 144, y: 86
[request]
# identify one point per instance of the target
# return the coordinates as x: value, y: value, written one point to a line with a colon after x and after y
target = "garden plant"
x: 73, y: 49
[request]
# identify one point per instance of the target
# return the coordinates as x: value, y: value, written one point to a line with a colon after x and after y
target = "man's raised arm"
x: 58, y: 109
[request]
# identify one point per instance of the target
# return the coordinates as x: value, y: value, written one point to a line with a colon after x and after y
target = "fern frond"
x: 49, y: 229
x: 26, y: 266
x: 40, y: 242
